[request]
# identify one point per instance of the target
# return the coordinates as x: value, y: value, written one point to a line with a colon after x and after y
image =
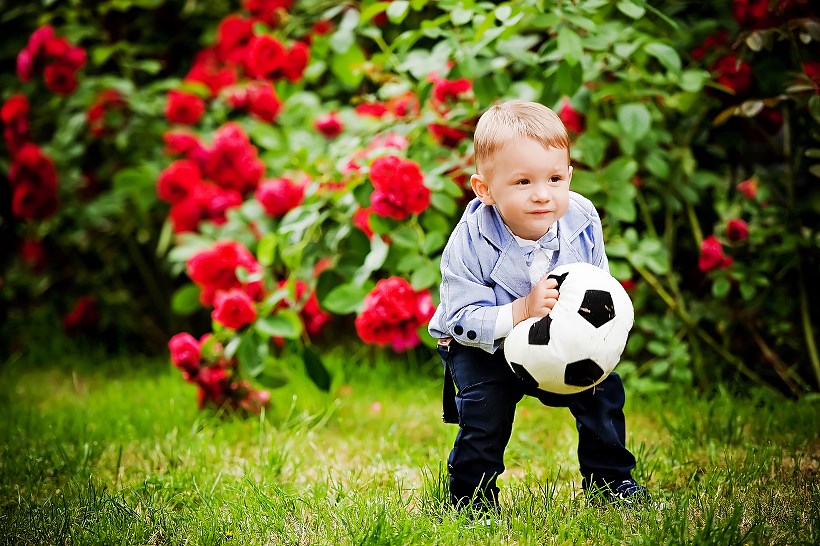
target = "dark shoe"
x: 627, y: 493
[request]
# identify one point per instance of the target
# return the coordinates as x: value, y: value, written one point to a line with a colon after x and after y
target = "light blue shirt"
x: 484, y: 268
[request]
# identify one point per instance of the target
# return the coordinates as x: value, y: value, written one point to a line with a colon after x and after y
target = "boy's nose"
x: 541, y: 192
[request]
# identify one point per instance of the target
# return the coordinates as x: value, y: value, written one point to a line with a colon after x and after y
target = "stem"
x: 702, y: 334
x: 647, y: 217
x: 693, y: 221
x: 787, y: 375
x: 808, y: 329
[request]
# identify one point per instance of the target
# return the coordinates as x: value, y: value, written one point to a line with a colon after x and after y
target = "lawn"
x: 112, y: 450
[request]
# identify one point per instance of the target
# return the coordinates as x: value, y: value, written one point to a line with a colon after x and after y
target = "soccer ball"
x: 579, y: 343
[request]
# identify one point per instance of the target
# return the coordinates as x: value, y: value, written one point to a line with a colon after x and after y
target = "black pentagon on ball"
x: 540, y: 331
x: 524, y: 375
x: 597, y: 307
x: 582, y: 373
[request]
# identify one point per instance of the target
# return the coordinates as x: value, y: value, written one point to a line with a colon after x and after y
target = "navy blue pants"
x: 488, y: 392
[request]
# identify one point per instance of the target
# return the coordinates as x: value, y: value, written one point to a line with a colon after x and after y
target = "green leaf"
x: 460, y: 16
x: 631, y: 9
x: 316, y: 369
x: 348, y: 66
x: 570, y: 47
x: 425, y: 277
x: 405, y: 236
x: 285, y: 323
x: 444, y: 203
x: 721, y: 287
x: 397, y: 11
x: 618, y: 175
x: 589, y: 148
x: 635, y: 120
x: 266, y: 249
x: 621, y: 206
x: 693, y: 80
x: 185, y: 300
x: 433, y: 241
x: 373, y: 261
x: 249, y: 355
x: 568, y: 78
x: 344, y: 299
x: 666, y: 54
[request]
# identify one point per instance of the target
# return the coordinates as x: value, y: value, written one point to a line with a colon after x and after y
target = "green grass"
x: 97, y: 450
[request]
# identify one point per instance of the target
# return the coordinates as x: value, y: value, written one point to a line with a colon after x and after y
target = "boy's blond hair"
x: 515, y: 119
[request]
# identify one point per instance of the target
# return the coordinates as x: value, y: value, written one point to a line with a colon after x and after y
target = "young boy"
x: 523, y: 223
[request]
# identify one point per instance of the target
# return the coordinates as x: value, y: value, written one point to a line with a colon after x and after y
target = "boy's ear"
x: 569, y: 179
x: 481, y: 189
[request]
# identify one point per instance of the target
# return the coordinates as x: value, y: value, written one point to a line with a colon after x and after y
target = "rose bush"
x: 306, y: 164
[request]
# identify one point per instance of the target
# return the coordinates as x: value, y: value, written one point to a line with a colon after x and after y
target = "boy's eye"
x: 523, y: 181
x: 556, y: 179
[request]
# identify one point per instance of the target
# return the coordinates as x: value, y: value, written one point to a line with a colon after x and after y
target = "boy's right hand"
x: 538, y: 303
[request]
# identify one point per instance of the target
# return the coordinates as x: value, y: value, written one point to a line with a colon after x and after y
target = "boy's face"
x: 529, y: 185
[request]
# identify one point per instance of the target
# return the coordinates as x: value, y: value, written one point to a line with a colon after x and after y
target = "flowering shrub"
x: 307, y: 163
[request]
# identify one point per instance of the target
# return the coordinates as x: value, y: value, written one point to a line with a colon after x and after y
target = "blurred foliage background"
x: 308, y: 159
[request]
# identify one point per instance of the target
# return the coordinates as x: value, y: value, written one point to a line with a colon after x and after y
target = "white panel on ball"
x: 581, y: 341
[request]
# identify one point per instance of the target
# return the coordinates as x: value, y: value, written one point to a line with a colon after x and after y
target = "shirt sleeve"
x: 468, y: 310
x: 504, y: 321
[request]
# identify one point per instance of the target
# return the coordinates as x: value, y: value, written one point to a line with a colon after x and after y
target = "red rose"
x: 373, y: 109
x: 14, y: 109
x: 254, y: 401
x: 233, y: 162
x: 83, y: 316
x: 31, y: 202
x: 712, y: 256
x: 25, y: 65
x: 185, y: 354
x: 573, y: 121
x: 279, y: 196
x: 14, y: 115
x: 233, y: 309
x: 211, y: 71
x: 321, y: 28
x: 748, y: 188
x: 399, y: 188
x: 447, y: 136
x: 445, y: 91
x: 753, y: 14
x: 184, y: 108
x: 361, y: 219
x: 107, y: 101
x: 263, y: 102
x: 32, y: 166
x: 177, y: 181
x: 233, y: 35
x: 312, y: 315
x: 215, y: 269
x: 268, y: 11
x: 61, y: 78
x: 393, y: 313
x: 214, y: 385
x: 296, y: 62
x: 628, y: 284
x: 33, y: 254
x: 266, y: 56
x: 737, y: 230
x: 205, y: 202
x: 404, y: 105
x: 329, y: 125
x: 733, y: 73
x: 32, y: 57
x: 812, y: 71
x: 185, y: 144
